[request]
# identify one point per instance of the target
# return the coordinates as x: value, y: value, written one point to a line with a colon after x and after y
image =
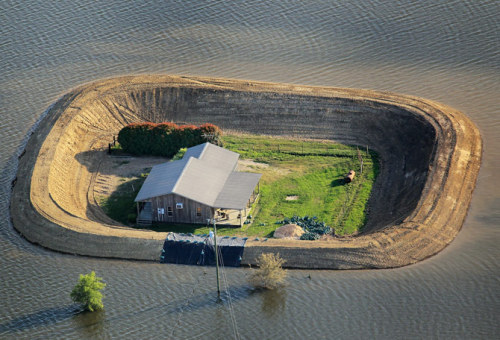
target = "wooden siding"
x: 188, y: 213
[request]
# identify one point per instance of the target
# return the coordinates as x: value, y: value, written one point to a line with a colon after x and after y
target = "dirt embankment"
x: 430, y: 156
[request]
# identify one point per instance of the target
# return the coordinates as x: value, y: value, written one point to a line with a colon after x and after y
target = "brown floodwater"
x: 447, y: 51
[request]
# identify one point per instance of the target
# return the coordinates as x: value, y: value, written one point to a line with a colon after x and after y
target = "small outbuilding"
x: 202, y: 186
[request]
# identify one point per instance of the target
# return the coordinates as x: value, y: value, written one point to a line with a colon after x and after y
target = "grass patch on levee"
x: 312, y: 170
x: 120, y: 205
x: 310, y: 173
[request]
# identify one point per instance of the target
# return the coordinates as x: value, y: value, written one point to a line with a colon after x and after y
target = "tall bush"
x: 187, y: 136
x: 270, y: 273
x: 87, y: 292
x: 165, y: 139
x: 211, y: 133
x: 162, y: 142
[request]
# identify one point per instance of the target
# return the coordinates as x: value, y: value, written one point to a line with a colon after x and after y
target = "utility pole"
x: 216, y: 262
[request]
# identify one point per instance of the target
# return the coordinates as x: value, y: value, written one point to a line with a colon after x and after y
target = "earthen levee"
x: 430, y: 157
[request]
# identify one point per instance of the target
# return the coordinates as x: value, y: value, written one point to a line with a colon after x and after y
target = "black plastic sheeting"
x: 200, y: 250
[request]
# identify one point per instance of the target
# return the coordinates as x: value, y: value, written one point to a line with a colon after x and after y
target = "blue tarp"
x: 199, y: 250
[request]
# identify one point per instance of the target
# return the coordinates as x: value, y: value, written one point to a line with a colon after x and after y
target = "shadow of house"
x: 198, y: 188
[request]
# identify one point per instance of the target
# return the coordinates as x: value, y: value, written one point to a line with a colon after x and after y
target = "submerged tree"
x: 87, y: 292
x: 270, y: 273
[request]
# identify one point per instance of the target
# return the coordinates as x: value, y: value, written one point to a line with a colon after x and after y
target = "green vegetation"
x: 87, y: 292
x: 299, y: 178
x: 312, y: 174
x: 120, y: 206
x: 312, y: 226
x: 165, y: 139
x: 270, y: 273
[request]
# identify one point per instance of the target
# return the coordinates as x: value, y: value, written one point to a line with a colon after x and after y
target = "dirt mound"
x: 289, y: 231
x: 430, y: 156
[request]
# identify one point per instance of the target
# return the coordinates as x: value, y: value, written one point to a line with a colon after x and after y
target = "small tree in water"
x: 87, y: 292
x: 270, y: 273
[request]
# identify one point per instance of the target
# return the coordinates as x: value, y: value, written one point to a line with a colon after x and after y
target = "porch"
x: 144, y: 213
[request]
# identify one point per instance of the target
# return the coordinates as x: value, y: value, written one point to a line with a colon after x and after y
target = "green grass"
x: 311, y: 170
x: 121, y: 203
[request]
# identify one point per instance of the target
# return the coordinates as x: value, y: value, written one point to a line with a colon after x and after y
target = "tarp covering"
x: 200, y: 250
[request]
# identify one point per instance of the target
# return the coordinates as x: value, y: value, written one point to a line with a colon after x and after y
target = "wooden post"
x: 360, y: 159
x: 241, y: 218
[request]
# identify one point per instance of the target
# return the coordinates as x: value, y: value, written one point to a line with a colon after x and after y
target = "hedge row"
x: 165, y: 139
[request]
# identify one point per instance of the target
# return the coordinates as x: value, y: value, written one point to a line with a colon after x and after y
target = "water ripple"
x: 446, y: 50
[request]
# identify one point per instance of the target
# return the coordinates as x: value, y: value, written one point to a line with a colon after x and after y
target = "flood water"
x: 442, y: 50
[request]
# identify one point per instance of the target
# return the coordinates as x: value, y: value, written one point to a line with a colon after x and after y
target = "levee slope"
x: 430, y: 158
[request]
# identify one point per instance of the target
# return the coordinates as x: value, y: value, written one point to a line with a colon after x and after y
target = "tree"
x: 270, y: 273
x: 87, y: 292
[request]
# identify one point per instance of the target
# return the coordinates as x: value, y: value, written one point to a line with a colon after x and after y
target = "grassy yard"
x: 299, y: 178
x: 310, y: 174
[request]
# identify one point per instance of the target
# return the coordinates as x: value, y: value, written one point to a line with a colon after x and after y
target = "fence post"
x: 360, y: 159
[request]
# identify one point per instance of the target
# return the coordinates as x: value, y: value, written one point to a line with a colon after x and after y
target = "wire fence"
x: 306, y: 149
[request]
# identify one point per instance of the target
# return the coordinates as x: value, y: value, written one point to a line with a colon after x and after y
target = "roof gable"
x: 205, y: 174
x: 161, y: 180
x: 201, y: 182
x: 213, y: 155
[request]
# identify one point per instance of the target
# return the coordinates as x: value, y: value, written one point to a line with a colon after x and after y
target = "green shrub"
x: 270, y: 274
x: 179, y: 154
x: 162, y: 142
x: 87, y: 292
x: 311, y: 225
x: 137, y: 139
x: 132, y: 218
x: 164, y: 139
x: 211, y: 133
x: 308, y: 236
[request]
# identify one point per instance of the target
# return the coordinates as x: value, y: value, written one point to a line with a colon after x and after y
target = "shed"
x: 201, y: 186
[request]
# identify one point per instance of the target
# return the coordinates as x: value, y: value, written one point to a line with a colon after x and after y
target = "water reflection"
x: 91, y: 323
x: 273, y: 302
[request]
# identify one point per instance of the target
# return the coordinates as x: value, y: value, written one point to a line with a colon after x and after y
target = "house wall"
x: 188, y: 213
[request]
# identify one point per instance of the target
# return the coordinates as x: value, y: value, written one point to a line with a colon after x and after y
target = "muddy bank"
x: 430, y: 156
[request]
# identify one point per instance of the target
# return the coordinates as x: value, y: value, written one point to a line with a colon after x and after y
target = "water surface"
x: 443, y: 50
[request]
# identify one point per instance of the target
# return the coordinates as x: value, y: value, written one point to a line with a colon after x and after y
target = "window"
x: 178, y: 206
x: 198, y: 211
x: 170, y: 211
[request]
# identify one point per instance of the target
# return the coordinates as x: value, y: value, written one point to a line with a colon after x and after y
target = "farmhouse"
x: 202, y: 186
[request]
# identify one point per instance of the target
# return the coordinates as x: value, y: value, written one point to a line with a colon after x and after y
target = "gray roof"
x: 237, y: 190
x: 214, y: 155
x: 205, y: 174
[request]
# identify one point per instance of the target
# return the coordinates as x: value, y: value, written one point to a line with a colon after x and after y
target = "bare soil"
x: 115, y: 171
